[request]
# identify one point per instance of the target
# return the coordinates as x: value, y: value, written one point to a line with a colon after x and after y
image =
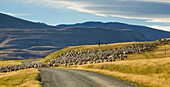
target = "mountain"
x: 7, y: 21
x: 149, y: 33
x: 38, y: 43
x: 21, y: 39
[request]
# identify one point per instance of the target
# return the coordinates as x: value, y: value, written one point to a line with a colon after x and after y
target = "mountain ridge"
x: 149, y: 33
x: 20, y: 39
x: 8, y: 21
x: 37, y: 43
x: 16, y: 23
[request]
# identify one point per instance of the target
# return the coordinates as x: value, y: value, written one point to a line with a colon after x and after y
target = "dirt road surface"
x: 76, y: 78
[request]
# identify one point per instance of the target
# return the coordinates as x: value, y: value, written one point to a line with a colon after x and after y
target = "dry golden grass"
x: 146, y: 80
x: 141, y: 62
x: 147, y: 68
x: 21, y: 78
x: 15, y: 62
x: 147, y: 72
x: 155, y: 53
x: 90, y: 47
x: 9, y: 63
x: 144, y: 55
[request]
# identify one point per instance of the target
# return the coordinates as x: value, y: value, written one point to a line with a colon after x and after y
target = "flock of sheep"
x: 75, y: 57
x: 24, y: 66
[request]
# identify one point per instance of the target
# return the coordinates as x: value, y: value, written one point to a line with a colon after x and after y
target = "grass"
x: 21, y: 78
x: 156, y: 53
x: 154, y: 80
x: 147, y: 68
x: 146, y: 72
x: 14, y: 62
x: 142, y: 67
x: 90, y: 47
x: 9, y: 63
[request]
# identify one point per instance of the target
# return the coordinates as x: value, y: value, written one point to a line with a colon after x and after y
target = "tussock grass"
x: 90, y: 47
x: 21, y: 78
x: 158, y: 52
x: 147, y: 68
x: 142, y: 67
x: 15, y: 62
x: 154, y: 80
x: 9, y: 63
x: 147, y: 72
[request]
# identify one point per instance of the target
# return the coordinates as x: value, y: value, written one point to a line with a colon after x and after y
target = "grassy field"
x: 146, y: 72
x: 158, y: 53
x: 88, y: 47
x: 15, y: 62
x: 147, y: 68
x: 21, y: 78
x: 9, y: 63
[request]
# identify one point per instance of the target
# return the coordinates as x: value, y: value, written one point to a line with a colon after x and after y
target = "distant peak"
x: 92, y: 22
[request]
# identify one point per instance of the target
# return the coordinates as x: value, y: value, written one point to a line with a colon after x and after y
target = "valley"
x: 22, y: 39
x: 88, y: 54
x: 19, y: 44
x: 153, y: 65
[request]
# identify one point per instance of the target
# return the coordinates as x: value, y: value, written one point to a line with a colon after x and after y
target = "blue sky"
x: 152, y: 13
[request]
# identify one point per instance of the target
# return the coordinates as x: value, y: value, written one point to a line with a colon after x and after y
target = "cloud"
x: 162, y: 1
x: 151, y: 10
x: 42, y: 3
x: 165, y: 28
x: 16, y: 14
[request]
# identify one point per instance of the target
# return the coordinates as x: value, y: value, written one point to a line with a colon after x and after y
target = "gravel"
x: 77, y: 78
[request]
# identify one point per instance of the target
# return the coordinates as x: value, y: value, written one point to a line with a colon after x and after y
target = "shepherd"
x: 99, y: 44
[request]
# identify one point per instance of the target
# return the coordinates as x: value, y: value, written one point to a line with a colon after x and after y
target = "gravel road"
x: 77, y: 78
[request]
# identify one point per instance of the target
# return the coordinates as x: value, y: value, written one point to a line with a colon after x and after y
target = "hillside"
x: 21, y: 39
x: 21, y: 78
x: 148, y: 68
x: 37, y: 43
x: 146, y: 72
x: 13, y: 22
x: 158, y: 53
x: 149, y: 33
x: 16, y: 23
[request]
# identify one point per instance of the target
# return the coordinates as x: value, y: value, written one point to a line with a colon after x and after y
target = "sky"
x: 151, y: 13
